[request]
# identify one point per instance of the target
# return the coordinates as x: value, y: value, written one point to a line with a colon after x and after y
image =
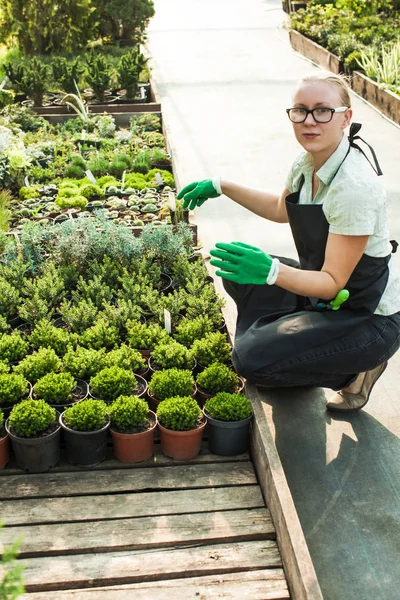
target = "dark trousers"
x: 277, y: 344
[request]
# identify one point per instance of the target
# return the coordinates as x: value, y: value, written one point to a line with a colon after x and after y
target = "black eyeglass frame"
x: 309, y: 111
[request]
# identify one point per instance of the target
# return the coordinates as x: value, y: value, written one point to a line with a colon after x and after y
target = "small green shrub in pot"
x: 13, y: 388
x: 128, y: 414
x: 38, y: 364
x: 83, y: 363
x: 87, y: 415
x: 218, y: 378
x: 55, y: 388
x: 112, y: 382
x: 214, y: 347
x: 46, y: 335
x: 1, y: 422
x: 100, y: 335
x: 189, y: 330
x: 31, y: 418
x: 145, y: 337
x: 12, y: 347
x: 172, y: 354
x: 228, y: 407
x: 126, y: 357
x: 179, y: 413
x: 4, y: 368
x: 171, y: 382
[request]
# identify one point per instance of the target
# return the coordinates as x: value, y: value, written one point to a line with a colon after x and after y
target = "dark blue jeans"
x: 334, y: 363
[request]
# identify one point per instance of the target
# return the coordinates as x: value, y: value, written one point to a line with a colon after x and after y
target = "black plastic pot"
x: 85, y: 448
x: 228, y: 438
x: 36, y: 455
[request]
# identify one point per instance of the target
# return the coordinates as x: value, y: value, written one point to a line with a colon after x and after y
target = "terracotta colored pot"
x: 154, y: 402
x: 134, y: 447
x: 3, y: 451
x: 181, y: 445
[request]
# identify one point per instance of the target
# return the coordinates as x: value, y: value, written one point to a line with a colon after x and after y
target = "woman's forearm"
x: 266, y: 205
x: 318, y: 284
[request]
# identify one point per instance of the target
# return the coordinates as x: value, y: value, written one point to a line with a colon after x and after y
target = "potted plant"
x: 85, y: 426
x: 39, y: 363
x: 132, y: 429
x: 126, y: 357
x: 144, y: 337
x: 128, y: 74
x: 13, y: 389
x: 217, y: 378
x: 46, y: 335
x: 189, y: 330
x: 3, y: 442
x: 83, y: 363
x: 13, y: 347
x: 34, y: 432
x: 114, y: 381
x: 60, y: 389
x: 213, y: 347
x: 169, y: 383
x: 181, y: 425
x: 228, y: 418
x: 171, y: 354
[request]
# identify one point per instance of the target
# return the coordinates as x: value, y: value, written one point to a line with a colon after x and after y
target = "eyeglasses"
x: 322, y: 114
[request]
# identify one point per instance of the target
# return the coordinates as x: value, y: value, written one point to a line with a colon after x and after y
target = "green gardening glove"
x: 241, y: 263
x: 196, y: 193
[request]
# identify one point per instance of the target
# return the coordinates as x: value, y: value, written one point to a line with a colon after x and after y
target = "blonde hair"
x: 339, y: 81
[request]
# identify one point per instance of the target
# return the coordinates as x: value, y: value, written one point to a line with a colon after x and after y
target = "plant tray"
x: 315, y: 52
x: 387, y: 102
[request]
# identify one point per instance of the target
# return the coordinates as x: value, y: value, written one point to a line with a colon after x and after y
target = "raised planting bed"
x: 387, y: 102
x: 315, y: 52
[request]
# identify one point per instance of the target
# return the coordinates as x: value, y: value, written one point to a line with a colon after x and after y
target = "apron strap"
x: 354, y: 129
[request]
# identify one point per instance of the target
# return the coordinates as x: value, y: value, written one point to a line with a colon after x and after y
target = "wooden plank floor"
x: 150, y: 531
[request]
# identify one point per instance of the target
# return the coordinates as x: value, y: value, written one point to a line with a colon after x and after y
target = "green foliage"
x: 94, y: 290
x: 55, y: 388
x: 31, y: 418
x: 98, y: 74
x: 1, y: 420
x: 6, y: 98
x: 12, y: 347
x: 172, y: 354
x: 4, y: 368
x: 100, y: 335
x: 145, y: 337
x: 165, y: 245
x: 87, y: 415
x: 74, y: 171
x: 128, y: 73
x: 79, y: 316
x: 112, y: 382
x: 9, y: 299
x: 141, y: 162
x: 35, y: 81
x: 38, y: 364
x: 202, y: 300
x: 11, y: 582
x: 383, y: 64
x: 228, y: 407
x: 179, y: 413
x: 214, y: 347
x: 105, y: 125
x: 127, y: 412
x: 24, y: 118
x: 5, y: 213
x: 218, y: 378
x: 124, y: 19
x: 99, y: 165
x: 13, y: 388
x: 66, y: 74
x: 84, y: 362
x: 171, y: 382
x: 189, y: 330
x: 34, y: 309
x: 47, y: 335
x: 126, y: 358
x: 145, y: 122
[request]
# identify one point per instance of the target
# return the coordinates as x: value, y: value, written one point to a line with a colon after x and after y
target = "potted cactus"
x: 213, y: 347
x: 13, y: 389
x: 181, y: 425
x: 171, y: 354
x: 228, y: 417
x: 85, y: 426
x: 132, y: 429
x: 34, y: 432
x: 3, y: 442
x: 60, y: 390
x: 168, y: 383
x: 114, y: 381
x: 217, y: 378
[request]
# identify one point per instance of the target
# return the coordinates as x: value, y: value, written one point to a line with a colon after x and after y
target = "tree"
x: 124, y: 19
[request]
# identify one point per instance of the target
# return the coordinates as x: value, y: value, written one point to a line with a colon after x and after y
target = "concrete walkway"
x: 224, y: 72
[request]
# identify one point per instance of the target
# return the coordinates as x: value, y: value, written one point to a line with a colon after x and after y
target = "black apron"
x: 309, y: 327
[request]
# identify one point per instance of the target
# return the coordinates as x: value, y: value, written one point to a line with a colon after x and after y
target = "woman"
x: 287, y: 333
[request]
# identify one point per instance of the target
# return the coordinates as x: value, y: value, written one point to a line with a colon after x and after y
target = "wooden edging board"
x: 315, y: 52
x: 387, y: 102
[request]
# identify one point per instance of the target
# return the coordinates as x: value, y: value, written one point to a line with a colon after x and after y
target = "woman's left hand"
x: 241, y: 263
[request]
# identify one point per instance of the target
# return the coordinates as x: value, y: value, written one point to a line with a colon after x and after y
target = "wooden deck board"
x: 266, y: 584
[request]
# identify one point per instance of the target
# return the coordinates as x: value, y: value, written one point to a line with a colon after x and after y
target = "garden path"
x: 224, y: 72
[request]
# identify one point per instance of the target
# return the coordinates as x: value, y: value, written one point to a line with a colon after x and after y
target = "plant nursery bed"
x: 315, y: 52
x: 387, y: 102
x: 199, y: 528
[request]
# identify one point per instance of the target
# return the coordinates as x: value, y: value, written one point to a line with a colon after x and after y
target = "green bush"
x: 91, y: 191
x: 172, y: 354
x: 12, y: 347
x: 31, y: 418
x: 112, y: 382
x: 145, y: 122
x: 46, y: 335
x: 145, y: 337
x: 228, y: 407
x: 9, y: 299
x: 79, y: 316
x: 74, y: 202
x: 126, y: 358
x: 1, y: 420
x: 179, y: 413
x: 13, y: 388
x: 171, y: 382
x: 217, y: 378
x: 87, y: 415
x: 84, y: 362
x: 189, y: 330
x: 100, y: 335
x: 98, y: 166
x: 74, y: 171
x: 4, y: 368
x: 55, y: 388
x: 214, y: 347
x: 128, y: 412
x: 38, y: 364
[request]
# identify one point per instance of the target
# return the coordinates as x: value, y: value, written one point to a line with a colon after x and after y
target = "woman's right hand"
x: 196, y: 193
